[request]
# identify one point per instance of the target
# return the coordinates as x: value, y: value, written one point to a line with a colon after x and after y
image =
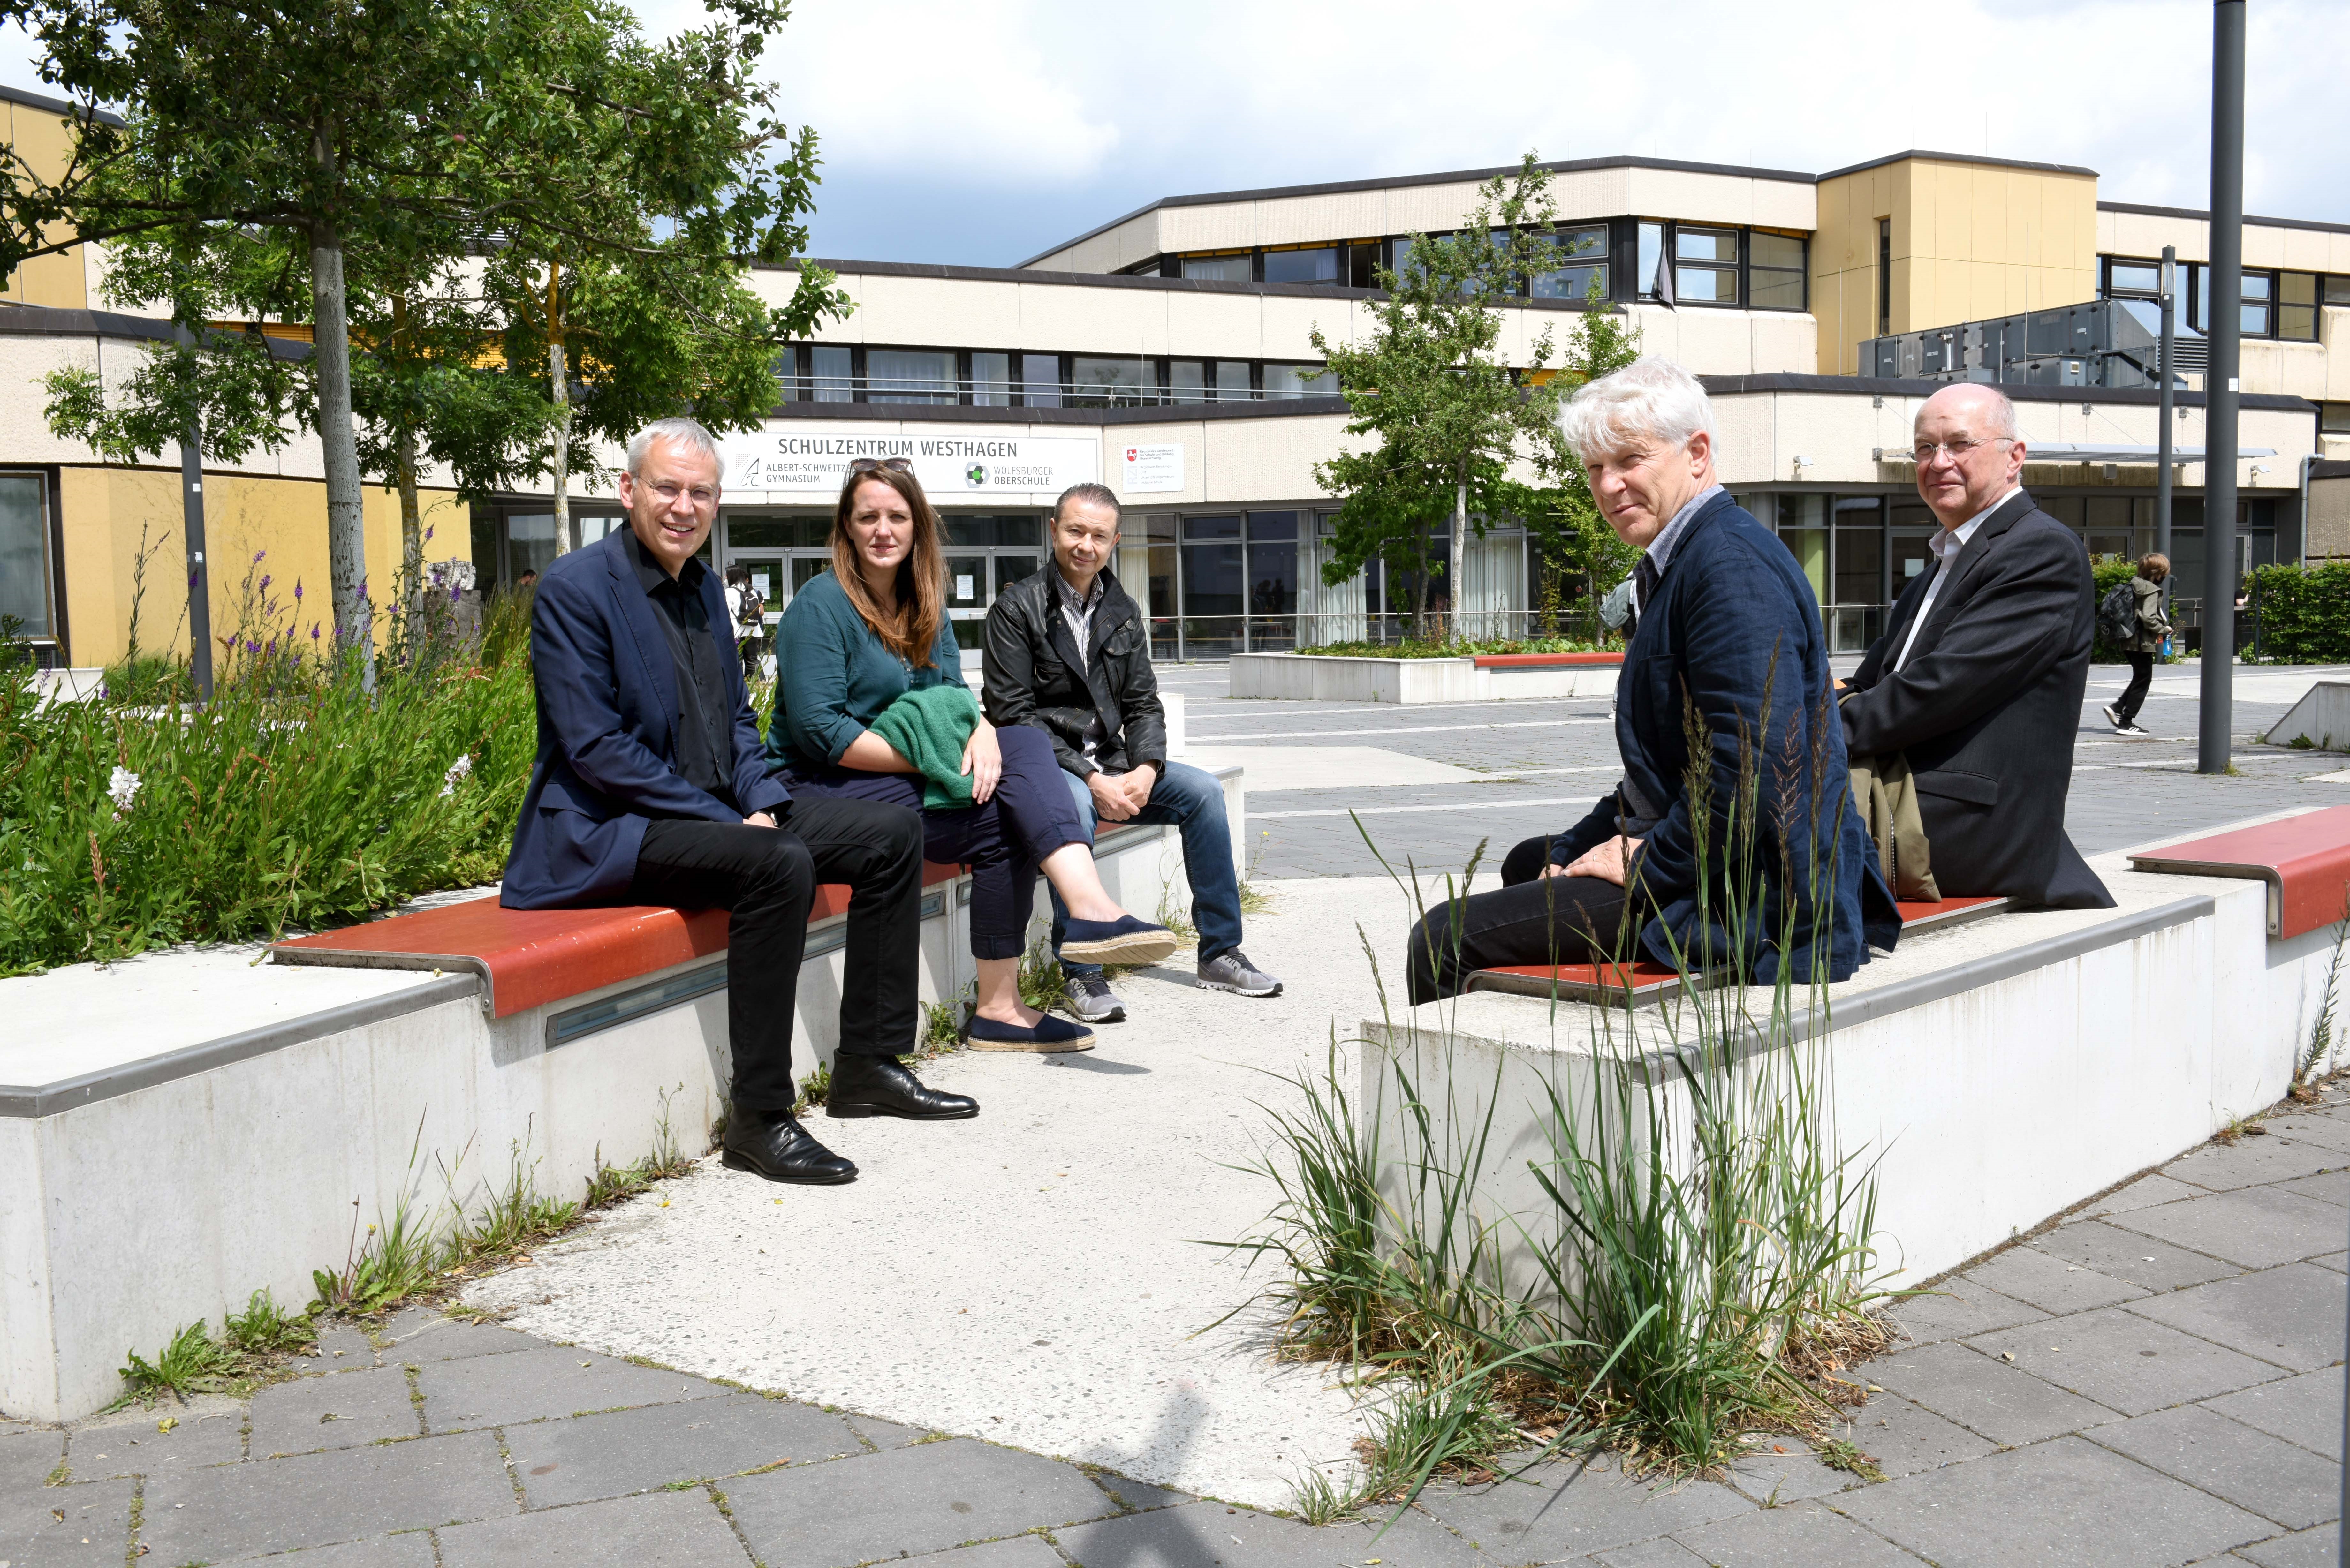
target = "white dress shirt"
x: 1946, y: 546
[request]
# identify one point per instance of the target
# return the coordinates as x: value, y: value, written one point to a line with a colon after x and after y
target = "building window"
x: 1649, y: 285
x: 2259, y: 289
x: 1300, y: 381
x: 1104, y: 383
x: 1776, y: 271
x: 1582, y: 254
x: 1040, y: 381
x: 2127, y: 278
x: 24, y: 553
x: 909, y: 376
x: 1319, y: 264
x: 832, y: 376
x: 1233, y: 381
x: 1186, y: 381
x: 787, y: 374
x: 1705, y: 265
x: 2297, y: 307
x: 991, y: 381
x: 1218, y: 269
x: 1885, y: 277
x: 2334, y: 419
x: 2338, y: 291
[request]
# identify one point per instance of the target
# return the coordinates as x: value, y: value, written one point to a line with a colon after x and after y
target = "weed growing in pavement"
x: 265, y: 1328
x: 1840, y: 1454
x: 815, y: 1090
x: 941, y: 1027
x: 1699, y: 1265
x: 193, y: 1362
x: 2320, y: 1048
x: 1255, y: 901
x: 1043, y: 986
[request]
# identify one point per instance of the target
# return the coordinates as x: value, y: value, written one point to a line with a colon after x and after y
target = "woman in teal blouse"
x: 856, y: 640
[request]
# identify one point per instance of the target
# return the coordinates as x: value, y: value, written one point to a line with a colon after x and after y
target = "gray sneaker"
x: 1232, y: 971
x: 1091, y: 999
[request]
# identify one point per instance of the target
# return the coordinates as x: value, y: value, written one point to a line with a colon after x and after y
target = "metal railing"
x: 983, y: 393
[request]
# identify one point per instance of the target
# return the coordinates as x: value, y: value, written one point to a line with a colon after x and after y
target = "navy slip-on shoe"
x: 1125, y: 940
x: 1050, y: 1033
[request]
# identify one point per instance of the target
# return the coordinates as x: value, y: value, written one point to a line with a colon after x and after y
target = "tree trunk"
x: 346, y: 509
x: 560, y: 386
x: 1420, y: 609
x: 412, y: 519
x: 1460, y: 568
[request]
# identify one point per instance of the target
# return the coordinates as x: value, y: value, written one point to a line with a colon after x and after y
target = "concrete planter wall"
x: 1345, y: 679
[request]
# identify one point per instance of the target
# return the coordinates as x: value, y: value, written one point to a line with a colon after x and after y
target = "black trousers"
x: 1001, y: 839
x: 2134, y: 694
x: 1530, y: 919
x: 766, y: 878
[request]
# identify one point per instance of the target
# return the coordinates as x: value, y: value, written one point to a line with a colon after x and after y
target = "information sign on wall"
x: 1151, y: 470
x: 813, y: 460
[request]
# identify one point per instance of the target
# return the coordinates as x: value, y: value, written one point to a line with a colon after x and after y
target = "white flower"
x: 122, y: 789
x: 458, y: 769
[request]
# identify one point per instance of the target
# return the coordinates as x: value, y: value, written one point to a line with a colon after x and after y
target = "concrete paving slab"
x: 2319, y: 1547
x: 2328, y: 1126
x: 409, y: 1549
x: 907, y: 1500
x: 439, y: 1338
x: 1567, y: 1508
x: 1199, y: 1534
x: 2050, y: 1283
x: 1135, y: 1496
x: 635, y: 1450
x: 884, y: 1433
x: 1904, y: 1437
x: 2066, y: 1502
x: 2331, y: 1187
x: 533, y: 1384
x: 2143, y: 1193
x: 207, y: 1430
x: 343, y: 1347
x: 664, y: 1530
x: 88, y: 1523
x: 2257, y: 1226
x: 1020, y: 1551
x: 2291, y: 1316
x: 276, y: 1505
x: 2337, y: 1261
x: 26, y: 1457
x: 2272, y: 1156
x: 1783, y: 1469
x: 2275, y: 1479
x: 1956, y: 1308
x: 338, y: 1410
x: 2306, y: 1409
x: 1989, y: 1396
x: 1665, y: 1552
x: 1797, y: 1535
x: 2129, y: 1256
x: 1293, y: 767
x: 2125, y: 1362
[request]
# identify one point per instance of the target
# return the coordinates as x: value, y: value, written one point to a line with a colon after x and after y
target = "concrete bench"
x: 1646, y: 981
x: 1492, y: 677
x: 182, y: 1128
x: 1999, y: 1070
x: 1547, y: 660
x: 2303, y: 860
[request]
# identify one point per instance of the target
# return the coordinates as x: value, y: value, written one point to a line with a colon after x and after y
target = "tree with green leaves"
x: 1459, y: 434
x: 402, y: 146
x: 1572, y: 538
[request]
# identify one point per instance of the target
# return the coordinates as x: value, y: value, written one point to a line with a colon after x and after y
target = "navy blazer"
x: 1734, y: 634
x: 607, y: 733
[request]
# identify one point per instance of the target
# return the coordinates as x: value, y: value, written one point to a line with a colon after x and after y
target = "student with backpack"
x: 2131, y: 615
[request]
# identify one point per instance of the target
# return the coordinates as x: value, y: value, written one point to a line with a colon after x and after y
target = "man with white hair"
x: 1747, y: 855
x: 1978, y: 680
x: 652, y: 787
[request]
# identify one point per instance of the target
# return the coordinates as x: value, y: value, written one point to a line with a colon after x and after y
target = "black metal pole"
x: 2164, y: 361
x: 2221, y: 386
x: 192, y: 513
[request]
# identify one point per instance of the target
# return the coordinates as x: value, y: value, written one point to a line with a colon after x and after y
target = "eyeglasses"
x: 868, y: 464
x: 669, y: 491
x: 1925, y: 451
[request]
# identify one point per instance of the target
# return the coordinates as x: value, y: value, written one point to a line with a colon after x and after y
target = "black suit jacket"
x: 1988, y: 706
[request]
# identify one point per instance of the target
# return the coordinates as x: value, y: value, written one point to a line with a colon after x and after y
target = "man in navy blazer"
x: 1748, y: 854
x: 652, y: 787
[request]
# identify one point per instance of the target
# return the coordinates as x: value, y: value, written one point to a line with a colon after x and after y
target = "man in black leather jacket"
x: 1068, y: 651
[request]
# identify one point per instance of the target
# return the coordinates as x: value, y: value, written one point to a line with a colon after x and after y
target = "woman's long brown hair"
x: 912, y: 629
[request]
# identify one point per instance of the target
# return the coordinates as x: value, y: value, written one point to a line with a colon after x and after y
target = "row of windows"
x: 1627, y: 259
x: 1005, y: 379
x: 2273, y: 303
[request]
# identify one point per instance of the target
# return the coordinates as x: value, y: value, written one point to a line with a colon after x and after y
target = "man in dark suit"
x: 1979, y: 676
x: 1768, y: 864
x: 651, y: 787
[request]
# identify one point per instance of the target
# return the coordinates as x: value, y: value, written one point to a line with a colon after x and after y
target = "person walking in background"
x: 2152, y: 630
x: 873, y: 634
x: 1068, y: 655
x: 749, y: 613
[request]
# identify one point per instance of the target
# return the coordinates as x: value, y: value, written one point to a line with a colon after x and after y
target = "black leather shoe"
x: 774, y: 1145
x: 881, y: 1086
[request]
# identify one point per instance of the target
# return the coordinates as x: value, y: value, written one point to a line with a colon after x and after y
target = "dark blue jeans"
x: 1192, y: 800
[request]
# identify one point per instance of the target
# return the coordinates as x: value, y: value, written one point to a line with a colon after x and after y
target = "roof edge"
x: 1882, y: 386
x: 2203, y: 215
x: 63, y: 107
x: 1919, y: 152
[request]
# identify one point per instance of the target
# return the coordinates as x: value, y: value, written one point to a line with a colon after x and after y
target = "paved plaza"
x: 1003, y: 1348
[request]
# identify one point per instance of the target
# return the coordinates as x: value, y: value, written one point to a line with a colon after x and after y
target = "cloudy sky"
x: 983, y: 131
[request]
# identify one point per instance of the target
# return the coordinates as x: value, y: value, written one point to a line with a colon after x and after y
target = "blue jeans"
x: 1193, y: 800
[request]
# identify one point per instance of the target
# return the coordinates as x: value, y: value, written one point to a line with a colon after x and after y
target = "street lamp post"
x: 2164, y: 361
x: 2221, y: 386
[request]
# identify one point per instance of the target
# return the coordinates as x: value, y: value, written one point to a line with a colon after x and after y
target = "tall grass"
x: 296, y: 797
x: 1687, y: 1256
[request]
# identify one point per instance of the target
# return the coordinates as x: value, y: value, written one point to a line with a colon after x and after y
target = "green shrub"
x: 2303, y: 611
x: 293, y: 798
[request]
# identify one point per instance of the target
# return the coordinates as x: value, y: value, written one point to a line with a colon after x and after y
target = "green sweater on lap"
x: 930, y: 728
x: 835, y: 676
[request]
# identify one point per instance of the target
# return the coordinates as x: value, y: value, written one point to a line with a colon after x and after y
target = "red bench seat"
x: 2304, y: 860
x: 1543, y: 660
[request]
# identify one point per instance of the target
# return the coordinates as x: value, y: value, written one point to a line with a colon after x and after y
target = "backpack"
x: 2118, y: 614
